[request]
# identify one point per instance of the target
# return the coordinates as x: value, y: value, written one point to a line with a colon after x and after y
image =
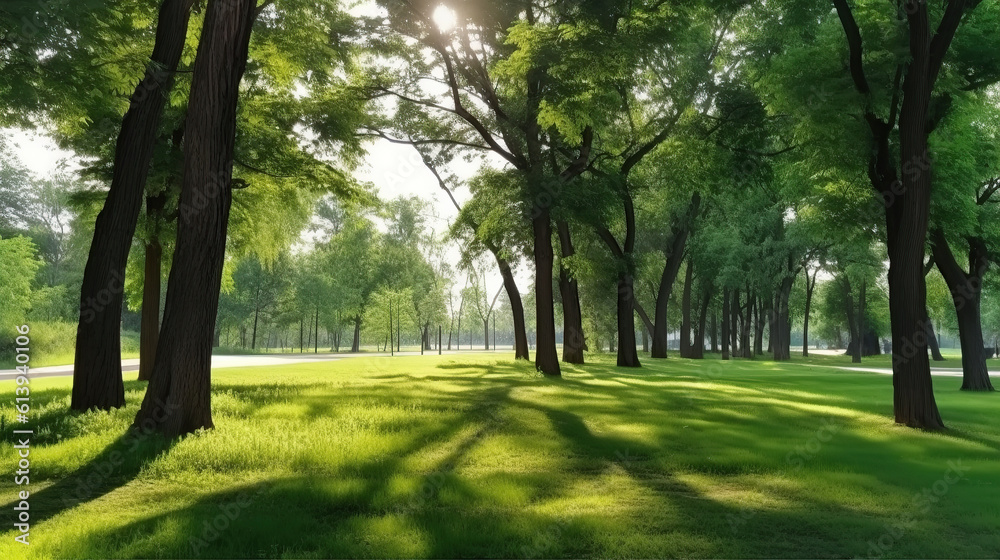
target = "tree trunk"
x: 734, y: 317
x: 675, y: 255
x: 149, y: 330
x: 855, y: 342
x: 932, y: 342
x: 745, y: 350
x: 759, y: 321
x: 782, y: 325
x: 181, y: 385
x: 906, y: 221
x: 517, y: 311
x: 627, y: 354
x: 356, y: 340
x: 698, y: 349
x: 810, y: 286
x: 966, y: 293
x: 256, y: 313
x: 574, y: 342
x: 907, y: 201
x: 714, y: 331
x: 862, y: 322
x: 726, y: 324
x: 97, y: 373
x: 316, y: 330
x: 546, y: 357
x: 685, y: 343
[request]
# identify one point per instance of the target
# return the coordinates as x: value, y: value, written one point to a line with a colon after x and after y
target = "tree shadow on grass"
x: 313, y: 515
x: 116, y: 465
x: 448, y: 511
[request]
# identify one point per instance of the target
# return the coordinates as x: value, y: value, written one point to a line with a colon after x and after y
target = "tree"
x: 515, y: 48
x: 907, y: 215
x: 492, y: 218
x: 18, y: 260
x: 178, y: 398
x: 894, y: 58
x: 97, y: 381
x: 963, y: 217
x: 651, y: 110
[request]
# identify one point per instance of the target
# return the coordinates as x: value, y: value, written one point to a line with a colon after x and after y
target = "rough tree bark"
x: 546, y: 358
x: 149, y: 329
x: 178, y: 399
x: 97, y: 373
x: 966, y: 292
x: 574, y: 342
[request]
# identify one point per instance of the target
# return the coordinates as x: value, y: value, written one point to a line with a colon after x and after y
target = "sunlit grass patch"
x: 441, y: 456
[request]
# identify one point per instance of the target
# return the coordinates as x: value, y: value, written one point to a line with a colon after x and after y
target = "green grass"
x: 474, y: 456
x: 52, y: 344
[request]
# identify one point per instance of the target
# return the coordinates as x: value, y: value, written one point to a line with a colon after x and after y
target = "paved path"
x: 250, y: 360
x: 947, y: 372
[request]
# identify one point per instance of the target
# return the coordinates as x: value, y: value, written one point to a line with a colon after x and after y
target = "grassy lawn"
x: 472, y: 455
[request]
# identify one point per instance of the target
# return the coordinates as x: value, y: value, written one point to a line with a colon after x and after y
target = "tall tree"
x: 97, y: 379
x: 503, y: 57
x: 178, y: 399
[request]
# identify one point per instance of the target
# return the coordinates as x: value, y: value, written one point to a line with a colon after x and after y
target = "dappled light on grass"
x: 475, y: 456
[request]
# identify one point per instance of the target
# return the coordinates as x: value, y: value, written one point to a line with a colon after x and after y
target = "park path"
x: 948, y: 372
x: 229, y: 361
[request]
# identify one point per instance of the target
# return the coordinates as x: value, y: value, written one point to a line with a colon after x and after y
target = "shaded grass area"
x: 477, y: 456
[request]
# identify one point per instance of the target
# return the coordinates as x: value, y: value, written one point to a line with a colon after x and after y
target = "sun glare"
x: 444, y: 18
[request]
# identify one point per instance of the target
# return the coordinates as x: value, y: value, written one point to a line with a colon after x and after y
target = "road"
x: 250, y: 360
x: 947, y: 372
x: 256, y: 360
